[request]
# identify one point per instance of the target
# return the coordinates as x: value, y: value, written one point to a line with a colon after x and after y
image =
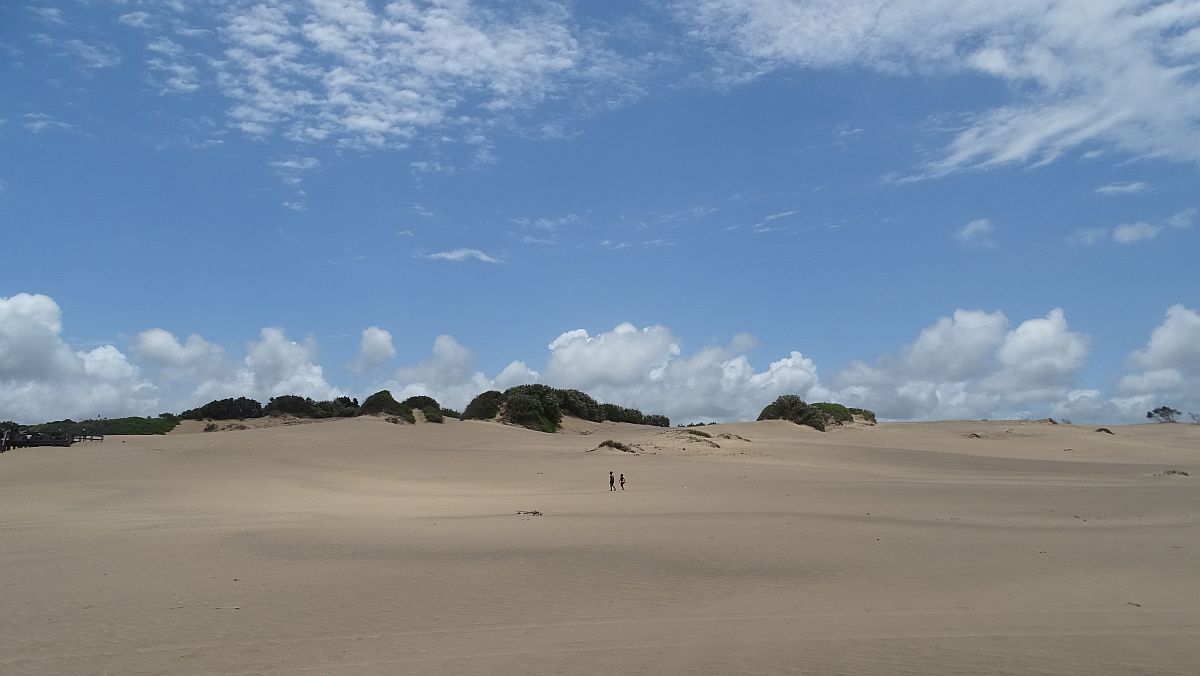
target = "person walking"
x: 622, y: 481
x: 611, y: 481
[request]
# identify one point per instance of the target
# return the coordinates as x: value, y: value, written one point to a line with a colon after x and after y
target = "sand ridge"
x: 362, y: 547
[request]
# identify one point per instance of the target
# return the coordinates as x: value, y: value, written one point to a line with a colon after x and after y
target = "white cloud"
x: 976, y: 233
x: 42, y: 378
x: 97, y: 56
x: 379, y: 75
x: 449, y: 376
x: 39, y: 123
x: 1132, y: 233
x: 1175, y: 343
x: 1089, y: 236
x: 274, y: 365
x: 375, y: 350
x: 169, y: 68
x: 971, y: 366
x: 460, y: 255
x: 49, y: 14
x: 1123, y: 188
x: 1128, y: 233
x: 194, y: 357
x: 1167, y: 372
x: 645, y: 368
x: 1129, y: 86
x: 136, y: 19
x: 296, y: 164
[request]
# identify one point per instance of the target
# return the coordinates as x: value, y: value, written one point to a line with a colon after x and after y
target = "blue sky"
x: 932, y: 209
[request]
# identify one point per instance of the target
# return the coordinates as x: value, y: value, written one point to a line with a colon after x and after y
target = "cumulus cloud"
x: 190, y: 358
x: 449, y: 375
x: 971, y: 365
x: 274, y: 365
x: 1166, y: 371
x: 646, y: 368
x: 976, y: 233
x: 43, y: 378
x: 1169, y: 364
x: 1128, y: 86
x: 460, y: 255
x: 375, y: 350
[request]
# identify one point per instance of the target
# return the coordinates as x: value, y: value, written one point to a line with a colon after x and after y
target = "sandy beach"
x: 362, y: 547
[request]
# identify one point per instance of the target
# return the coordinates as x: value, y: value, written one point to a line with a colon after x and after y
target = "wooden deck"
x: 9, y: 441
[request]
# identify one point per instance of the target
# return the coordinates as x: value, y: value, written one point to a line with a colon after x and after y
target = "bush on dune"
x: 535, y: 406
x: 225, y: 409
x: 382, y: 402
x: 485, y: 406
x: 817, y: 416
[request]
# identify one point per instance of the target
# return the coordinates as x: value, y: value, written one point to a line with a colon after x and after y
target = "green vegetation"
x: 132, y: 425
x: 817, y: 416
x: 537, y: 407
x: 541, y: 407
x: 485, y: 406
x: 225, y: 409
x: 428, y: 407
x: 792, y: 407
x: 869, y: 415
x: 699, y: 433
x: 383, y: 402
x: 835, y: 413
x: 303, y: 407
x: 1163, y: 414
x: 451, y: 413
x: 609, y: 443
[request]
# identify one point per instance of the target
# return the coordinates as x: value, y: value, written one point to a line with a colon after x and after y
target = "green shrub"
x: 433, y: 414
x: 131, y: 425
x: 451, y: 413
x: 699, y: 433
x: 792, y: 407
x: 548, y: 407
x: 341, y: 407
x: 609, y: 443
x: 383, y: 402
x: 420, y: 401
x: 225, y: 409
x: 486, y: 406
x: 621, y: 414
x: 290, y: 404
x: 534, y: 406
x: 580, y: 405
x: 835, y: 413
x: 867, y: 414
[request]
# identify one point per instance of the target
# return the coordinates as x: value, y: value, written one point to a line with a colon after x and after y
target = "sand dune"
x: 361, y: 547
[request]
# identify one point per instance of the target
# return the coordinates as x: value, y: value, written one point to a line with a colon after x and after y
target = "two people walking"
x: 612, y: 483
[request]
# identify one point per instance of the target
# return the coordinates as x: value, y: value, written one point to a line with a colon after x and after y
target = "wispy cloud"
x: 1130, y: 87
x: 460, y: 255
x: 977, y: 233
x: 169, y: 68
x: 1134, y: 232
x: 367, y: 76
x: 49, y: 14
x: 91, y: 56
x: 1123, y: 188
x: 40, y: 123
x: 295, y: 164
